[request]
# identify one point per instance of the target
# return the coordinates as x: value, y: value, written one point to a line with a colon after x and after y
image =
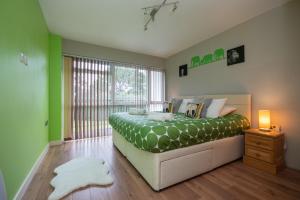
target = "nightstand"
x: 264, y: 150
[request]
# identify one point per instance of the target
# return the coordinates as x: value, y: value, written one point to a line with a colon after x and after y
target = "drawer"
x: 186, y: 167
x: 259, y: 141
x: 259, y: 154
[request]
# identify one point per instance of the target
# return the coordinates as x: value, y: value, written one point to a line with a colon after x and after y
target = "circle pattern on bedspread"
x: 173, y: 133
x: 163, y: 142
x: 157, y: 137
x: 159, y: 130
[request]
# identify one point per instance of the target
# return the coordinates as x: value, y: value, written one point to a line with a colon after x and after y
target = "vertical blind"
x: 100, y: 88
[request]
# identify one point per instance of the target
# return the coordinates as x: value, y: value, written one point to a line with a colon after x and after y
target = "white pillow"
x: 215, y: 108
x: 227, y: 110
x: 183, y: 105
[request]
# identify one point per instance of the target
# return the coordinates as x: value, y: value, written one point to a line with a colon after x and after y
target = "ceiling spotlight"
x: 174, y: 8
x: 151, y: 11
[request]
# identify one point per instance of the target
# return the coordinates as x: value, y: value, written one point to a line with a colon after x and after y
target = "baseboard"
x: 30, y: 175
x: 54, y: 143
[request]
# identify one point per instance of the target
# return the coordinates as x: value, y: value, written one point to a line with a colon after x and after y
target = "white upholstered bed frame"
x: 161, y: 170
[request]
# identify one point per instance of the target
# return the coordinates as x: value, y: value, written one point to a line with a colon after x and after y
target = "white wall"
x: 94, y: 51
x: 271, y: 72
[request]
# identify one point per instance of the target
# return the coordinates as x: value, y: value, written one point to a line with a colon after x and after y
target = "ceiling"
x: 120, y: 23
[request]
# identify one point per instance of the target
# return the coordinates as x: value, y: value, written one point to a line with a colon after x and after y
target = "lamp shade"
x: 264, y: 119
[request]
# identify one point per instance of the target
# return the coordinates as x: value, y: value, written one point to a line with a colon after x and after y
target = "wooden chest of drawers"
x: 264, y: 150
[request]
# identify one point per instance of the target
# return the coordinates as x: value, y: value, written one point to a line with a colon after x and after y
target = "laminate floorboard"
x: 232, y: 181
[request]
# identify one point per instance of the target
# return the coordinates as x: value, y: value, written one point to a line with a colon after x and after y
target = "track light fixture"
x: 151, y: 11
x: 174, y: 7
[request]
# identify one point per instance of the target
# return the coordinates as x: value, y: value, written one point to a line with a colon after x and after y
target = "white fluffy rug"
x: 78, y: 173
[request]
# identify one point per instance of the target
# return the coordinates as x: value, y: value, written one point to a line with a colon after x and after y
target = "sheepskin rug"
x: 78, y: 173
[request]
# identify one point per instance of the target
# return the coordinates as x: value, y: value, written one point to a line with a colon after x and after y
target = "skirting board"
x: 54, y: 143
x: 30, y: 175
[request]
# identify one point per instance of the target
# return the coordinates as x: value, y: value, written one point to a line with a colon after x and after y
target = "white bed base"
x: 161, y: 170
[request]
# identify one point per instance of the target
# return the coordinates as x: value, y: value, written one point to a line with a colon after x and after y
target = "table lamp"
x: 264, y: 120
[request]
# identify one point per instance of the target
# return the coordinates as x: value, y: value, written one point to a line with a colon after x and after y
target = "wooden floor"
x: 232, y: 181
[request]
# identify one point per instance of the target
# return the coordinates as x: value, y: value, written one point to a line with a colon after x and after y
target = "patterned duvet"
x: 157, y: 137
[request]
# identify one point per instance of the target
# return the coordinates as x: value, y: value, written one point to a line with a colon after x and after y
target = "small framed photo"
x: 183, y: 70
x: 236, y: 55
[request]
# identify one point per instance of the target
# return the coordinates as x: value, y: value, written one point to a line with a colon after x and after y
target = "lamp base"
x: 265, y: 129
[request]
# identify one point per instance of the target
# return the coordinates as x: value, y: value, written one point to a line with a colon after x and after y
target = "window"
x: 100, y: 88
x: 137, y: 87
x: 157, y: 88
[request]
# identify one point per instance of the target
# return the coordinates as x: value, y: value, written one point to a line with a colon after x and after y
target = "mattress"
x: 159, y: 136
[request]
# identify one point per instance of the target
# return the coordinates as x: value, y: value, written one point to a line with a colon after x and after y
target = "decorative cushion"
x: 194, y: 110
x: 227, y: 110
x: 176, y: 104
x: 215, y: 108
x: 167, y: 107
x: 183, y: 105
x: 206, y: 103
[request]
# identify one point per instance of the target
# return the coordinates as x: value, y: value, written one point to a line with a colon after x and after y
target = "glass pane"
x: 131, y: 88
x: 157, y: 86
x: 124, y: 85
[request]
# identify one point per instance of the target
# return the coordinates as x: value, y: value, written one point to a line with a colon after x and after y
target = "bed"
x: 163, y: 157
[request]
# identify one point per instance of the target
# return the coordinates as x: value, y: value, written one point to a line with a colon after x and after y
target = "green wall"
x: 55, y: 81
x: 24, y: 89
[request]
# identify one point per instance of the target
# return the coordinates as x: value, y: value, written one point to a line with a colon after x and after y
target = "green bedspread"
x: 156, y: 137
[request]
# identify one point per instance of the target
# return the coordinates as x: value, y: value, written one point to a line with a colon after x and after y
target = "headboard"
x: 241, y: 101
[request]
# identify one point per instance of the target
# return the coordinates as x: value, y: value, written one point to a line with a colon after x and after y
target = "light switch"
x: 23, y: 58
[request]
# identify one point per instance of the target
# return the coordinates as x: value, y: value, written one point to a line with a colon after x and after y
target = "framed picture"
x: 183, y: 71
x: 236, y: 55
